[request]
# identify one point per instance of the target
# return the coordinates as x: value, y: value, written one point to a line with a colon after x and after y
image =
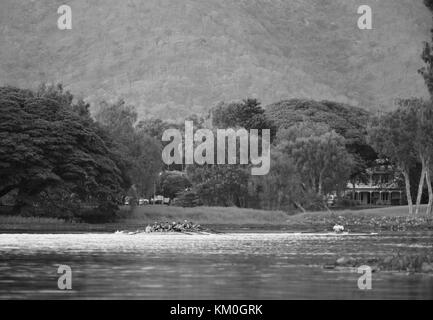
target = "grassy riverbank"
x: 216, y: 217
x: 220, y: 218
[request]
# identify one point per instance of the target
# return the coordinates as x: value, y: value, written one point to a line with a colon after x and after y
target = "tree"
x: 281, y: 188
x: 220, y: 185
x: 319, y: 155
x: 187, y: 199
x: 48, y: 150
x: 119, y: 118
x: 154, y: 127
x: 173, y: 182
x: 427, y: 56
x: 246, y: 114
x: 393, y: 136
x: 348, y: 121
x: 142, y: 151
x: 146, y: 162
x: 427, y: 73
x: 422, y: 113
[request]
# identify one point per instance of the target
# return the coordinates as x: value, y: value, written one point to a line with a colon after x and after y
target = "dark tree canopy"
x: 49, y: 143
x: 247, y: 114
x: 348, y: 121
x: 173, y: 182
x: 429, y: 4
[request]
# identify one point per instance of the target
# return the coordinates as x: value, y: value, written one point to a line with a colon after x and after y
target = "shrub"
x: 188, y: 198
x: 346, y: 203
x: 106, y: 212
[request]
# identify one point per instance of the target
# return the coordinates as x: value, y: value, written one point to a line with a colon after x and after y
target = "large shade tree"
x: 51, y: 148
x: 348, y: 121
x: 319, y: 155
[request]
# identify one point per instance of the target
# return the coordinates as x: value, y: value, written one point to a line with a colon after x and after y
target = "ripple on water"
x: 172, y: 266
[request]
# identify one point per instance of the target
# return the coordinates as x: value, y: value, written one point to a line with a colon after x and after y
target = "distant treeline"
x: 56, y: 159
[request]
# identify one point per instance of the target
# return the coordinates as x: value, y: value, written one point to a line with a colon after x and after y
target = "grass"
x: 29, y: 220
x: 206, y: 215
x: 144, y: 215
x: 37, y: 224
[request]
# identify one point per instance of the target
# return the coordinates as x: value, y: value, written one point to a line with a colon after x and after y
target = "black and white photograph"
x: 216, y: 150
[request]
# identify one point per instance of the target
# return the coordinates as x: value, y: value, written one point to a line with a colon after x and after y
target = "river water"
x: 220, y: 266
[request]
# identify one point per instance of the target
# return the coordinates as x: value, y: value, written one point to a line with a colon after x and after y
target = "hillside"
x: 338, y: 116
x: 171, y: 58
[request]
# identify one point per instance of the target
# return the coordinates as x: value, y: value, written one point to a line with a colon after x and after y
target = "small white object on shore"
x: 338, y: 228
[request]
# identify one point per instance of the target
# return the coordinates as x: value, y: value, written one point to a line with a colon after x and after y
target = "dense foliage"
x: 246, y: 114
x: 53, y: 154
x: 142, y: 151
x: 319, y: 156
x: 172, y: 183
x: 347, y: 121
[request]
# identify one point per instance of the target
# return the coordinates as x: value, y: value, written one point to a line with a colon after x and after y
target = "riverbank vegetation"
x: 382, y: 219
x: 232, y: 219
x: 60, y: 161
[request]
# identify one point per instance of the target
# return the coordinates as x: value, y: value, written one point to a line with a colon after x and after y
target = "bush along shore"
x: 361, y: 223
x: 398, y: 262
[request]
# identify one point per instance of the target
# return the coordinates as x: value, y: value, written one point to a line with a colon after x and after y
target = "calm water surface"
x: 223, y: 266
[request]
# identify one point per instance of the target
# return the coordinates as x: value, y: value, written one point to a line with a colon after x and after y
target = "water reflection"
x: 226, y: 266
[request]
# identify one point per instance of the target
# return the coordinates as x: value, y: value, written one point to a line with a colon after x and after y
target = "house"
x: 381, y: 188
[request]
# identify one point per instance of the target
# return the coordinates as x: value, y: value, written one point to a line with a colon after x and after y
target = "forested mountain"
x: 171, y: 58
